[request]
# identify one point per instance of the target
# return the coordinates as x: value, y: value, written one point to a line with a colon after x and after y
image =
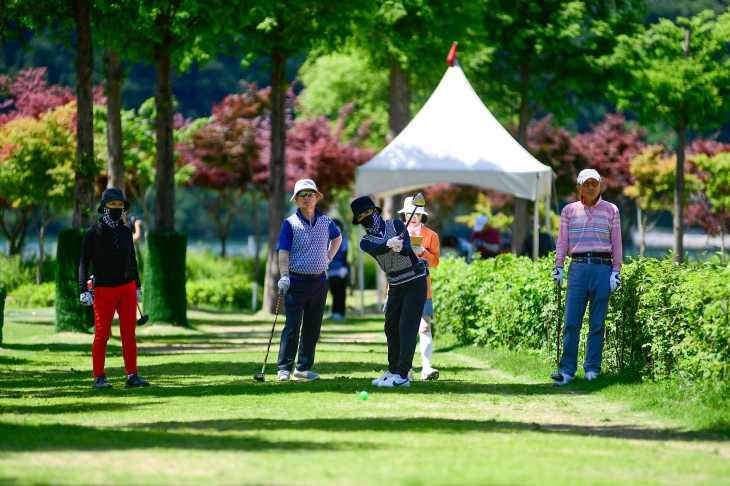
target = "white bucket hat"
x: 409, y: 208
x: 306, y: 184
x: 586, y: 174
x: 480, y: 223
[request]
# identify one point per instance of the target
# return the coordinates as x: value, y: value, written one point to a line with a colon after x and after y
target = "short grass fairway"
x: 490, y: 419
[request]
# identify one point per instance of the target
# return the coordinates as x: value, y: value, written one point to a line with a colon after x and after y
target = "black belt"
x: 124, y: 274
x: 309, y: 276
x: 599, y: 254
x: 594, y: 260
x: 398, y: 273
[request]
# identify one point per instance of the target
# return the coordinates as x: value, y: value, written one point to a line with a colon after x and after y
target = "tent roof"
x: 454, y: 139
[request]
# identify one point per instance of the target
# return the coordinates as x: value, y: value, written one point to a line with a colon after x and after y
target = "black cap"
x: 112, y: 194
x: 360, y: 205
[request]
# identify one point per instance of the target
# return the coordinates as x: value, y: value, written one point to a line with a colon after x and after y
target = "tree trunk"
x: 519, y: 227
x: 2, y: 25
x: 165, y: 179
x: 678, y: 222
x: 84, y: 193
x: 277, y: 174
x: 399, y: 102
x: 257, y: 251
x: 15, y: 233
x: 114, y: 80
x: 41, y: 242
x: 642, y: 231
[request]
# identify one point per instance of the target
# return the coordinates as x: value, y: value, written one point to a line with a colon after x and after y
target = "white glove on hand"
x: 558, y: 274
x: 418, y: 250
x: 284, y: 284
x: 139, y: 295
x: 614, y: 281
x: 87, y: 299
x: 342, y: 273
x: 395, y: 243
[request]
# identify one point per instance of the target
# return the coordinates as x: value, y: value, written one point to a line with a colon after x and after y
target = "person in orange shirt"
x: 429, y: 250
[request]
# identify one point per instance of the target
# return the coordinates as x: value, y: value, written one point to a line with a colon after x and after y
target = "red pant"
x: 123, y: 300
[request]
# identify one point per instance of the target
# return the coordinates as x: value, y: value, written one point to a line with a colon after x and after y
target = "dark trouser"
x: 586, y: 282
x: 338, y: 287
x: 304, y: 303
x: 402, y: 319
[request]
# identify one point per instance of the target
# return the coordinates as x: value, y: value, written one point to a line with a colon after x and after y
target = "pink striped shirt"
x: 589, y: 229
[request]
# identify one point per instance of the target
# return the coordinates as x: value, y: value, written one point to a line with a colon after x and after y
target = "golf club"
x: 418, y: 201
x: 557, y: 376
x: 260, y: 377
x: 143, y: 319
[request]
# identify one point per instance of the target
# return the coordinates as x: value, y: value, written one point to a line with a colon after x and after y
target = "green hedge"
x: 32, y: 295
x: 222, y: 293
x: 164, y: 298
x: 664, y: 320
x: 2, y: 312
x: 70, y: 314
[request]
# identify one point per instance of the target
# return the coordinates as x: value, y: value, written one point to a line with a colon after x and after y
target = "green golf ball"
x: 363, y: 395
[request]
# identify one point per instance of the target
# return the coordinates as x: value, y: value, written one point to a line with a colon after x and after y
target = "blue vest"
x: 393, y: 262
x: 309, y: 246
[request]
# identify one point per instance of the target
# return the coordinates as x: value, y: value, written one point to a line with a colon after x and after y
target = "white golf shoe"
x: 283, y: 375
x: 385, y: 376
x: 304, y: 376
x: 395, y: 381
x: 566, y: 379
x: 429, y: 374
x: 591, y: 375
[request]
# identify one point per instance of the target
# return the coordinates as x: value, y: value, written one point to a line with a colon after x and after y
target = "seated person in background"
x: 546, y: 244
x: 487, y: 240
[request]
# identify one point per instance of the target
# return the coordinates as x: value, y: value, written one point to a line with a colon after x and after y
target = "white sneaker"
x: 305, y: 376
x: 429, y: 374
x: 283, y: 375
x: 591, y: 375
x: 410, y: 375
x: 385, y: 376
x: 395, y: 381
x: 566, y: 379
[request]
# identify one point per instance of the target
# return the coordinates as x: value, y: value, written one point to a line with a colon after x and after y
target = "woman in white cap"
x: 429, y: 250
x: 485, y: 239
x: 308, y: 241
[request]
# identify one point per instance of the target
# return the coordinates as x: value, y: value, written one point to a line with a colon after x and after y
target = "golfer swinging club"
x: 108, y: 246
x: 308, y: 241
x: 590, y: 232
x: 406, y: 287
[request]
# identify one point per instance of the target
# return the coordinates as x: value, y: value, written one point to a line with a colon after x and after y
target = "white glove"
x: 284, y: 284
x: 87, y: 299
x: 395, y: 243
x: 342, y: 273
x: 385, y: 305
x: 558, y: 274
x: 418, y: 250
x: 614, y: 281
x: 139, y: 295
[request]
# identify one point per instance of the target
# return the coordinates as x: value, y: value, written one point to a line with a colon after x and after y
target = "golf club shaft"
x: 558, y: 329
x: 276, y: 315
x: 406, y: 228
x: 140, y: 310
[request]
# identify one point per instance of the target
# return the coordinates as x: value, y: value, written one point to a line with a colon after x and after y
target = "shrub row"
x: 32, y: 295
x: 664, y: 321
x: 2, y: 312
x: 223, y: 293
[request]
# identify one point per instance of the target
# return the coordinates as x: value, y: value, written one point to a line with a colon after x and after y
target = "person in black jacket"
x: 109, y: 247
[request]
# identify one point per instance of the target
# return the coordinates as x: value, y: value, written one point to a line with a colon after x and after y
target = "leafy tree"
x: 539, y: 56
x: 675, y: 73
x: 28, y: 95
x: 715, y: 178
x: 37, y: 166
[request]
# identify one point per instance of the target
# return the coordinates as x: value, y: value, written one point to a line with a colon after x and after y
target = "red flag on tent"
x: 451, y: 58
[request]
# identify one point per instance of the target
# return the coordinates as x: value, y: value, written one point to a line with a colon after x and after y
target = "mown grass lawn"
x: 490, y: 419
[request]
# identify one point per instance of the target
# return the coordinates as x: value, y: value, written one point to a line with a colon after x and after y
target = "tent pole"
x: 548, y: 210
x: 536, y: 221
x: 361, y: 271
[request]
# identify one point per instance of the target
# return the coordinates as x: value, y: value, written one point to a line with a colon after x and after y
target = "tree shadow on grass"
x: 71, y: 408
x: 52, y: 347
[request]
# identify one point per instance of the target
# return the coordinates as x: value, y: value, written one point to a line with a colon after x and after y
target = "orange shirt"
x: 432, y: 251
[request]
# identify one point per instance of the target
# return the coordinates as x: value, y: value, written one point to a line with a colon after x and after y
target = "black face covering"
x: 368, y: 221
x: 115, y: 214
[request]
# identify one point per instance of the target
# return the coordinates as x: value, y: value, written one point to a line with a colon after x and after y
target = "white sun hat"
x: 586, y: 174
x: 409, y: 208
x: 480, y: 223
x: 306, y: 184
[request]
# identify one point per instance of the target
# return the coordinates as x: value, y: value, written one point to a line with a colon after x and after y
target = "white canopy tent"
x: 456, y: 139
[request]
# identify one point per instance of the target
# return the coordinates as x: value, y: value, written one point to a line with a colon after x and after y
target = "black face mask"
x: 368, y: 221
x: 115, y: 214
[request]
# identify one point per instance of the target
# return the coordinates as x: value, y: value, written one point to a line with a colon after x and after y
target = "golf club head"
x: 419, y: 200
x: 259, y: 377
x: 143, y: 320
x: 557, y: 377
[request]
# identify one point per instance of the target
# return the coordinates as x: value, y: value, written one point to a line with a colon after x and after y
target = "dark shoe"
x: 135, y: 381
x: 101, y: 382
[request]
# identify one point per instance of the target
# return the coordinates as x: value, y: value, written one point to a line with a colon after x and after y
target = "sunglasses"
x: 406, y: 216
x: 306, y: 194
x: 590, y: 184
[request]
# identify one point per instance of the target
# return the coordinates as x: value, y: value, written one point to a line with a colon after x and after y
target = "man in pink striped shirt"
x: 590, y: 232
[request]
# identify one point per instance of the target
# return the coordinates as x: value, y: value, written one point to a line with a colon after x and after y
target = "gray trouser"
x: 586, y: 282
